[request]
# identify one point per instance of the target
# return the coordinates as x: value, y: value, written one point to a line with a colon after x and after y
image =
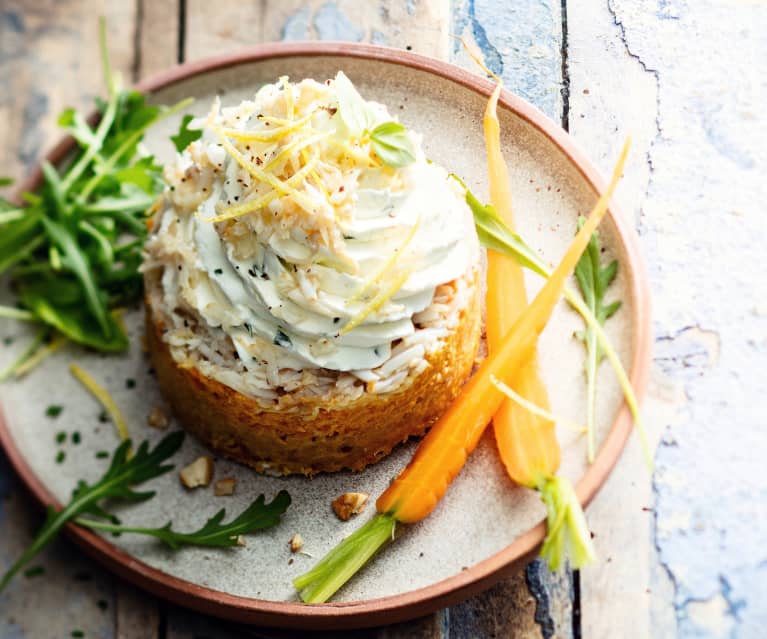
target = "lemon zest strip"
x: 264, y: 176
x: 39, y: 355
x: 104, y: 398
x: 389, y: 263
x: 256, y: 203
x: 377, y: 302
x: 534, y: 408
x: 267, y: 136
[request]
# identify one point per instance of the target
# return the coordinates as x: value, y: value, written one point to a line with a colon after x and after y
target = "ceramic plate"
x: 485, y: 527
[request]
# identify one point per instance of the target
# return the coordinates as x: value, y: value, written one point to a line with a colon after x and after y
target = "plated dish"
x: 408, y: 583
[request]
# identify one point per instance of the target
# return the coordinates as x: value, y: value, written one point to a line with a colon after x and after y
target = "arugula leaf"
x: 257, y: 516
x: 392, y: 144
x: 68, y: 233
x: 185, y: 135
x: 6, y: 181
x: 353, y: 110
x: 116, y: 483
x: 56, y: 300
x: 593, y: 280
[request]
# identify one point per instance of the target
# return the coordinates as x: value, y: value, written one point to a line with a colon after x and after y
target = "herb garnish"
x: 593, y: 280
x: 185, y: 135
x: 257, y: 516
x: 390, y: 140
x: 54, y: 410
x: 74, y: 248
x: 118, y: 483
x: 392, y: 144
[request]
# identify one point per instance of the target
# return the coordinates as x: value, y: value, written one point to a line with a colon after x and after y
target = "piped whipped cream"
x: 284, y: 227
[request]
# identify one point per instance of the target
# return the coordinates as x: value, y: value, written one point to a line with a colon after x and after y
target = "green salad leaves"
x: 74, y: 248
x: 119, y: 484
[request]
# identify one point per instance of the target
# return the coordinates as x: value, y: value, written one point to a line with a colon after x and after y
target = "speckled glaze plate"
x: 485, y: 527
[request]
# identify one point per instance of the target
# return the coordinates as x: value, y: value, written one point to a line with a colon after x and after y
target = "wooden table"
x: 686, y: 79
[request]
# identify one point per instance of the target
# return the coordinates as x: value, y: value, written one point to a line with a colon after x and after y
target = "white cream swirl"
x: 331, y: 270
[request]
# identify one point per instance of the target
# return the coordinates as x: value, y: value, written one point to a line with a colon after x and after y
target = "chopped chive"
x: 61, y: 437
x: 78, y: 634
x: 60, y: 457
x: 8, y: 340
x: 34, y: 571
x: 130, y: 383
x: 218, y: 271
x: 102, y: 454
x: 76, y: 438
x: 103, y: 417
x: 53, y: 411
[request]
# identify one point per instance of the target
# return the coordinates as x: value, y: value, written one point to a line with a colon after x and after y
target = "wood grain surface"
x: 603, y: 69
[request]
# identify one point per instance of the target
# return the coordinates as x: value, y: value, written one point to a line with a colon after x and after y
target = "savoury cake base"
x: 314, y: 436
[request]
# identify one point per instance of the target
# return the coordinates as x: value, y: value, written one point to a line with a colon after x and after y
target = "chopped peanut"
x: 198, y: 473
x: 296, y: 543
x: 224, y: 487
x: 349, y: 504
x: 241, y: 540
x: 158, y: 418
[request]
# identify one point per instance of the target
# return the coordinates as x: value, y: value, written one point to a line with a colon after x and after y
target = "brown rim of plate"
x: 393, y: 608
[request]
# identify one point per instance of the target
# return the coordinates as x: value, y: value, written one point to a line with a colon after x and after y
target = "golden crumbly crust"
x: 313, y: 436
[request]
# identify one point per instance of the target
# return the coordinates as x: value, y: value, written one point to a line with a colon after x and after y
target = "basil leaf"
x: 185, y: 135
x: 354, y: 111
x: 392, y: 144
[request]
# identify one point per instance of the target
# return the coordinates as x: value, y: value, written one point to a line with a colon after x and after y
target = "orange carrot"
x: 526, y: 440
x: 527, y: 443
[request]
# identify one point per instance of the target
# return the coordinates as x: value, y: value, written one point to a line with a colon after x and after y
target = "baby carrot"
x: 526, y: 441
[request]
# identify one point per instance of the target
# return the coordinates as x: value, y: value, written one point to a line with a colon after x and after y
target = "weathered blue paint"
x: 521, y: 41
x: 332, y: 24
x: 378, y: 37
x: 32, y: 140
x: 703, y: 230
x: 296, y: 27
x: 13, y: 21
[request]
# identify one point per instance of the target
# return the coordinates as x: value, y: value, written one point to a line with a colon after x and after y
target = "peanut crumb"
x: 296, y: 543
x: 224, y: 487
x: 198, y: 473
x: 241, y: 540
x: 349, y: 504
x: 158, y: 418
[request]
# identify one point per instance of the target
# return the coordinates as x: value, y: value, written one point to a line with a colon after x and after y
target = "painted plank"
x: 611, y: 96
x: 521, y: 41
x: 137, y: 614
x: 703, y: 227
x: 158, y: 36
x: 416, y: 25
x: 48, y: 61
x: 694, y: 106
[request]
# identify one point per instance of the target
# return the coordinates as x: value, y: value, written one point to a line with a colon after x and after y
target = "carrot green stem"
x: 568, y: 536
x: 341, y: 563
